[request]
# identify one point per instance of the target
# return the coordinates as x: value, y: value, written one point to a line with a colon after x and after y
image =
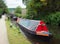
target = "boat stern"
x: 42, y: 30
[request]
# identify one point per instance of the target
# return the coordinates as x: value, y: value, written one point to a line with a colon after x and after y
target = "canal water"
x: 34, y: 40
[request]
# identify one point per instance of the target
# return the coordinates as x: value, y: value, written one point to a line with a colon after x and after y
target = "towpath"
x: 3, y: 31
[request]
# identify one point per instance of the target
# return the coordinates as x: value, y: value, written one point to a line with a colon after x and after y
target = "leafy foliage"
x: 18, y: 10
x: 18, y: 15
x: 46, y: 10
x: 3, y: 7
x: 53, y: 19
x: 37, y: 9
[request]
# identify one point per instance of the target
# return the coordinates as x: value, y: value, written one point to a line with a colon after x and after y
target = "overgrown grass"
x: 14, y: 36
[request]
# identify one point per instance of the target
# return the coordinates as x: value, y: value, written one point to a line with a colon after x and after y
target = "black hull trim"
x: 32, y: 35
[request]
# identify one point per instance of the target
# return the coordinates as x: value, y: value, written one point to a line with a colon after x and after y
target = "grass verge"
x: 14, y: 36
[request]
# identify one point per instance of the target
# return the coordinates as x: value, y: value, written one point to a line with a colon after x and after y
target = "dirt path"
x: 3, y: 31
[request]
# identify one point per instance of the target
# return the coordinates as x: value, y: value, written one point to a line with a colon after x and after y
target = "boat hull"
x: 32, y: 35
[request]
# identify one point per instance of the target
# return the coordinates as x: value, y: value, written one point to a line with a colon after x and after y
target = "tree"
x: 3, y: 7
x: 18, y: 10
x: 41, y: 8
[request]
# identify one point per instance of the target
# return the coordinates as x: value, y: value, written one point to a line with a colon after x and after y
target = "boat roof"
x: 29, y: 24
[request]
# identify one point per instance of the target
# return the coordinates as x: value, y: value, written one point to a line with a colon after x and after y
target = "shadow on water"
x: 55, y: 41
x: 35, y: 40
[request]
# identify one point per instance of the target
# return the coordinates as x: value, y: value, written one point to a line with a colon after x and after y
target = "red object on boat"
x: 41, y: 28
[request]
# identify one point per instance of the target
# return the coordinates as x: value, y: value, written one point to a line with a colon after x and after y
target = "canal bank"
x: 14, y: 35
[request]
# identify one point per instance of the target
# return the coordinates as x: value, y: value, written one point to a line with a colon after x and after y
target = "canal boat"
x: 34, y: 29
